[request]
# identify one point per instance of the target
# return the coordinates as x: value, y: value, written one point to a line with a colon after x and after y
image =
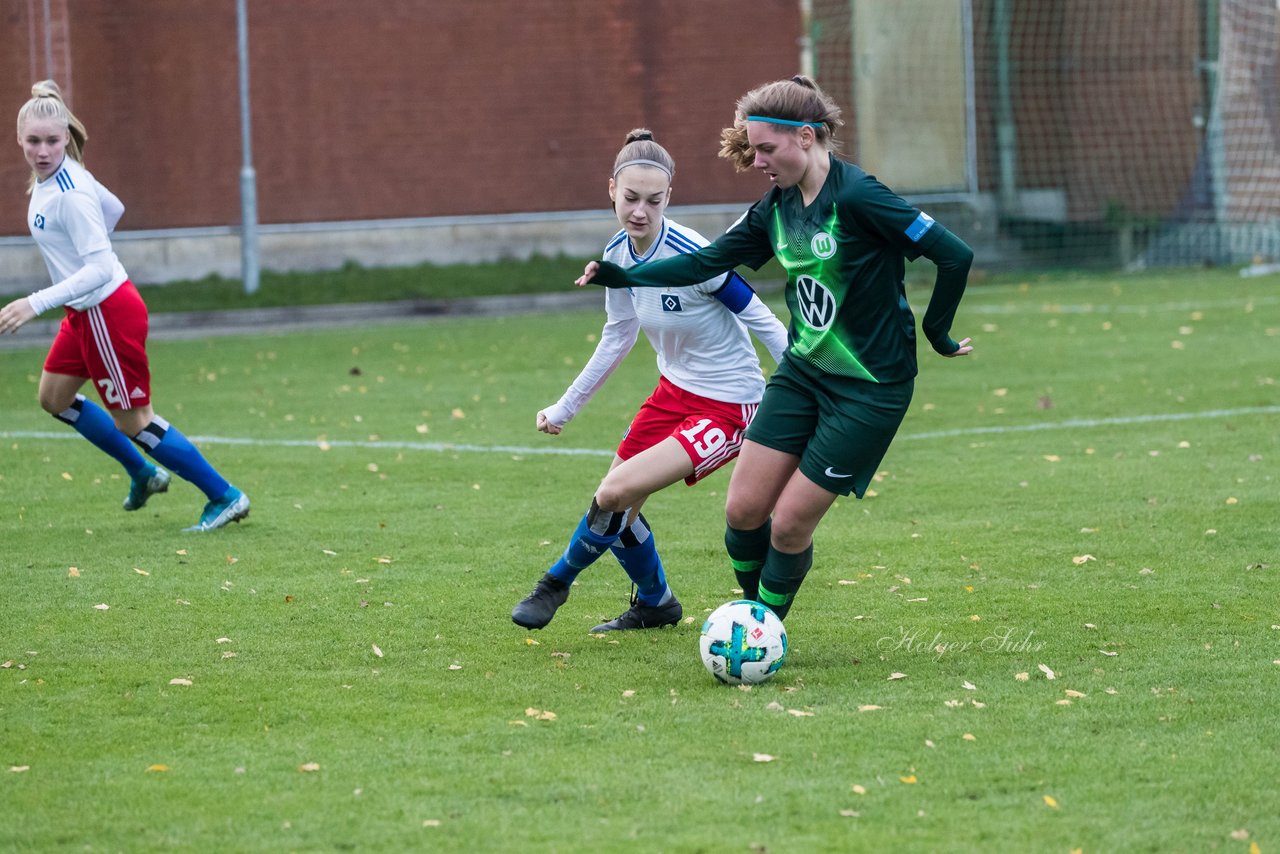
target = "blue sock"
x: 92, y: 421
x: 595, y: 533
x: 638, y: 554
x: 169, y: 447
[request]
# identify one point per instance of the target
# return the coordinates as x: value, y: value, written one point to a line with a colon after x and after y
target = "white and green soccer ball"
x: 743, y: 642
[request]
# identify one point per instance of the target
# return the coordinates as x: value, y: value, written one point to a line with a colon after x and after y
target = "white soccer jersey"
x: 70, y: 216
x: 702, y: 346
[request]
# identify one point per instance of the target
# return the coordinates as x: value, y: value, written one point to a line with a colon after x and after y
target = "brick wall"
x: 404, y: 108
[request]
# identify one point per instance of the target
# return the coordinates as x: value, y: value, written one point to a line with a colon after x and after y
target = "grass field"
x: 1054, y: 627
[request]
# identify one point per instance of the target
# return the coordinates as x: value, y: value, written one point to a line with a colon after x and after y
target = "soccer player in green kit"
x: 837, y: 398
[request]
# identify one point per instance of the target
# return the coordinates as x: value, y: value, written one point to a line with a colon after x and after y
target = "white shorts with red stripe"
x: 107, y: 344
x: 710, y: 431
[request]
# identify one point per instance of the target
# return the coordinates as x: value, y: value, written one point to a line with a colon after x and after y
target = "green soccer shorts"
x: 838, y: 426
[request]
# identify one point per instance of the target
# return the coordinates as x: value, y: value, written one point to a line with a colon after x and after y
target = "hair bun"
x: 640, y: 134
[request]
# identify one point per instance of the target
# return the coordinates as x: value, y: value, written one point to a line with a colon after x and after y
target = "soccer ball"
x: 743, y: 642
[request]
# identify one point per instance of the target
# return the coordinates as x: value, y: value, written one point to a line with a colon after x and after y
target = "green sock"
x: 747, y: 552
x: 781, y: 578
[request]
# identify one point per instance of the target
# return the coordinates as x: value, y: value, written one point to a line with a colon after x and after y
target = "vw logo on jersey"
x: 40, y: 221
x: 817, y: 304
x: 671, y: 302
x: 823, y: 245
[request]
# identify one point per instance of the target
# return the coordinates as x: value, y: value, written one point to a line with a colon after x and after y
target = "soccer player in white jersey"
x: 709, y: 386
x: 103, y: 334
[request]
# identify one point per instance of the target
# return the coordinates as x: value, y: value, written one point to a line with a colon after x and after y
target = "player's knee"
x: 613, y: 496
x: 745, y: 513
x: 789, y: 534
x: 56, y: 403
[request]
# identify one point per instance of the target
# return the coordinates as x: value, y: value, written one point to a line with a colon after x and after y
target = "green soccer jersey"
x: 845, y: 257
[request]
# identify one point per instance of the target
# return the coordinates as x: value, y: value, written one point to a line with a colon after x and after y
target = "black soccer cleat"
x: 642, y: 616
x: 536, y: 610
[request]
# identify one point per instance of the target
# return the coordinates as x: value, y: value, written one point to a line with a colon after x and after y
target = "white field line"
x: 1032, y: 306
x: 550, y: 450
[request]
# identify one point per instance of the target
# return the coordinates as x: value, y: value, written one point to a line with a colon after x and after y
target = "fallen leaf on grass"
x: 377, y: 650
x: 223, y: 640
x: 1048, y: 674
x: 531, y: 642
x: 1071, y: 693
x: 1081, y: 560
x: 1051, y: 801
x: 455, y: 666
x: 102, y: 606
x: 140, y: 571
x: 968, y: 736
x: 869, y: 708
x: 799, y: 713
x: 1240, y: 835
x: 431, y: 822
x: 329, y: 552
x: 910, y: 779
x: 1022, y: 677
x: 179, y: 681
x: 849, y: 813
x: 859, y: 790
x: 157, y: 768
x: 72, y: 572
x: 628, y: 693
x: 539, y: 714
x: 18, y: 769
x: 969, y: 686
x: 893, y: 676
x: 761, y: 757
x: 308, y: 767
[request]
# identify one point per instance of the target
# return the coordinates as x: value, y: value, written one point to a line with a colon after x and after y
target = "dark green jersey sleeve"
x: 881, y: 211
x: 953, y: 258
x: 746, y: 242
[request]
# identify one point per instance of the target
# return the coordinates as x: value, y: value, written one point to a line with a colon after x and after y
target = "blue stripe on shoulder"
x: 679, y: 241
x: 617, y: 238
x: 64, y: 181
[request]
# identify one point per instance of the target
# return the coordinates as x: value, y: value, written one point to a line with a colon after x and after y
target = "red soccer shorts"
x: 710, y: 431
x: 107, y: 344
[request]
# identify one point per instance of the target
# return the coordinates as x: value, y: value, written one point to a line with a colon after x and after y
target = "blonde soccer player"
x: 709, y: 385
x: 103, y: 333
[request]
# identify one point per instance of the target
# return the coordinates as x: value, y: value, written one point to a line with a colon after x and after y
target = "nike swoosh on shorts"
x: 832, y: 473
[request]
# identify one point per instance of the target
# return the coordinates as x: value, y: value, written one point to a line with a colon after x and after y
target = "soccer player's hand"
x: 15, y: 314
x: 588, y: 274
x: 545, y: 426
x: 964, y: 349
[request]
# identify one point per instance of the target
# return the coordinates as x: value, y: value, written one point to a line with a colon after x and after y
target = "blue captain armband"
x: 919, y: 227
x: 735, y: 294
